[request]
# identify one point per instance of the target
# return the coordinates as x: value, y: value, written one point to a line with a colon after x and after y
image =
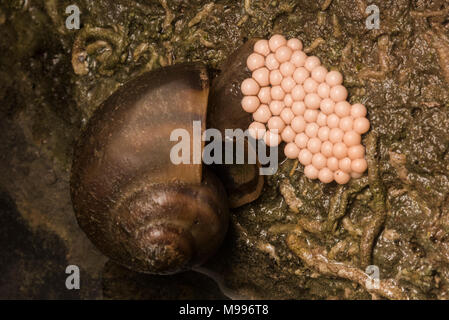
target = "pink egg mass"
x: 294, y: 99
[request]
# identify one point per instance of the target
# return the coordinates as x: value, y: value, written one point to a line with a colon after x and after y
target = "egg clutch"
x: 293, y: 98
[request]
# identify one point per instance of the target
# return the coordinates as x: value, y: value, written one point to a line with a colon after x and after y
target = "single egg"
x: 262, y: 76
x: 323, y: 90
x: 327, y: 148
x: 287, y: 115
x: 305, y: 157
x: 276, y: 123
x: 275, y: 77
x: 257, y: 130
x: 359, y: 165
x: 327, y: 106
x: 288, y: 100
x: 341, y: 177
x: 265, y: 95
x: 321, y: 120
x: 255, y: 61
x: 319, y: 74
x: 356, y: 152
x: 361, y: 125
x: 288, y: 135
x: 338, y: 93
x: 310, y: 85
x: 325, y: 175
x: 311, y: 63
x: 301, y: 140
x: 298, y: 124
x: 358, y: 110
x: 298, y: 107
x: 312, y: 100
x: 276, y: 107
x: 300, y: 75
x: 250, y: 103
x: 346, y: 123
x: 352, y: 138
x: 294, y: 44
x: 277, y: 93
x: 332, y: 163
x: 345, y: 164
x: 319, y: 161
x: 272, y: 139
x: 261, y: 47
x: 333, y: 121
x: 262, y: 114
x: 271, y: 62
x: 250, y: 87
x: 288, y: 84
x: 311, y: 130
x: 283, y: 54
x: 310, y: 115
x: 323, y: 133
x: 334, y: 78
x: 311, y: 172
x: 314, y: 145
x: 287, y: 68
x: 291, y: 150
x: 342, y: 109
x: 298, y: 93
x: 298, y: 58
x: 340, y: 150
x: 276, y: 41
x: 336, y: 135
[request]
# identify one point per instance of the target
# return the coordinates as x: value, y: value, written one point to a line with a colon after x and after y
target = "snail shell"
x: 135, y: 205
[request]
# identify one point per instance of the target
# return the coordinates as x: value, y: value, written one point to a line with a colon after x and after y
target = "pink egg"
x: 257, y: 130
x: 310, y: 85
x: 336, y: 135
x: 265, y: 95
x: 356, y: 152
x: 311, y: 130
x: 312, y: 100
x: 291, y: 150
x: 288, y: 135
x: 314, y: 145
x: 250, y: 87
x: 323, y: 133
x: 319, y: 74
x: 271, y: 63
x: 334, y: 78
x: 298, y: 124
x: 361, y: 125
x: 342, y: 109
x: 341, y: 177
x: 287, y: 68
x: 356, y: 175
x: 272, y: 139
x: 250, y: 103
x: 325, y: 175
x: 305, y: 157
x: 326, y: 148
x: 298, y: 58
x: 345, y: 164
x: 319, y: 161
x: 288, y: 84
x: 262, y: 114
x: 311, y: 63
x: 276, y: 123
x: 288, y: 100
x: 321, y: 120
x: 301, y: 140
x: 276, y: 41
x: 276, y: 107
x: 333, y: 121
x: 262, y: 76
x: 359, y: 165
x: 352, y: 138
x: 299, y: 108
x: 298, y: 93
x: 323, y: 90
x: 300, y: 75
x: 287, y: 115
x: 327, y: 106
x: 339, y: 150
x: 283, y: 54
x: 255, y: 61
x: 332, y: 163
x: 294, y: 44
x: 311, y: 172
x: 275, y: 77
x: 338, y: 93
x: 346, y: 123
x: 358, y: 110
x: 277, y: 93
x: 262, y: 47
x: 310, y: 115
